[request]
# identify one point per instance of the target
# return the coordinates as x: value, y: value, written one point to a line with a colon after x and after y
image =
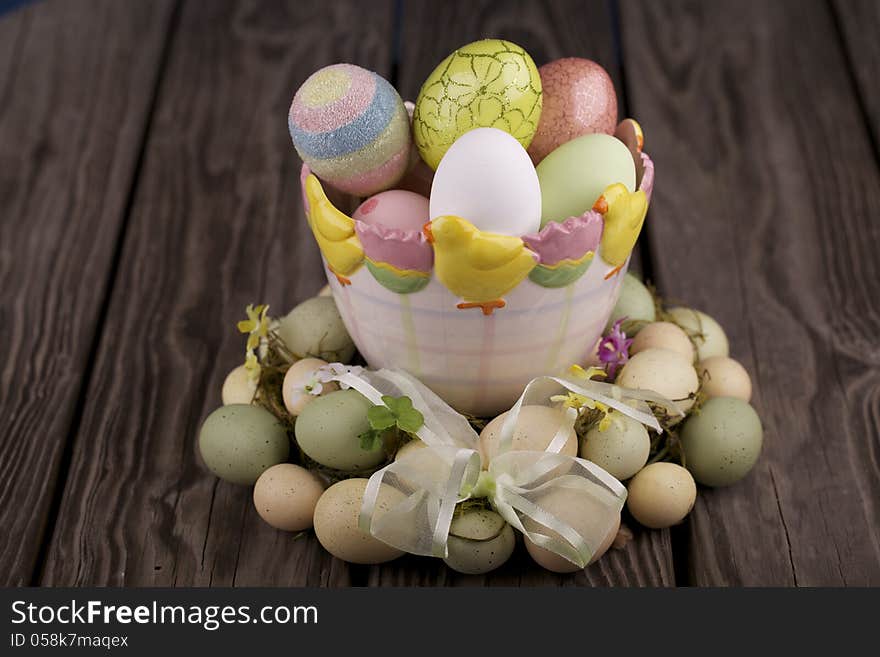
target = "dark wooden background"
x: 148, y: 191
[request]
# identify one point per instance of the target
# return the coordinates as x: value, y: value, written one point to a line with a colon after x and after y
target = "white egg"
x: 238, y: 387
x: 487, y: 177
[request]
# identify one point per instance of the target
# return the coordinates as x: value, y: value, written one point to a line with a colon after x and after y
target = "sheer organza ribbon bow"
x: 562, y: 503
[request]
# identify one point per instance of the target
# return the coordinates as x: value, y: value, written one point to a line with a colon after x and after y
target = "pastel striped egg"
x: 350, y: 126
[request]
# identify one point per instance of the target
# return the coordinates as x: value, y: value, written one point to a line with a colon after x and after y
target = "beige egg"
x: 285, y: 496
x: 662, y: 371
x: 325, y: 292
x: 238, y: 387
x: 336, y: 522
x: 409, y: 448
x: 479, y: 541
x: 708, y: 334
x: 557, y: 564
x: 663, y: 335
x: 297, y: 382
x: 586, y: 515
x: 535, y: 429
x: 661, y: 495
x: 724, y: 377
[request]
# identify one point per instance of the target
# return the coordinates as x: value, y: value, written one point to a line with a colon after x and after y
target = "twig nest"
x: 238, y: 387
x: 301, y: 387
x: 336, y: 522
x: 535, y: 429
x: 285, y: 497
x: 663, y: 371
x: 635, y: 304
x: 239, y: 442
x: 315, y: 328
x: 479, y: 541
x: 557, y: 564
x: 724, y: 377
x: 621, y: 450
x: 707, y: 333
x: 328, y: 430
x: 661, y: 495
x: 663, y: 335
x: 722, y: 443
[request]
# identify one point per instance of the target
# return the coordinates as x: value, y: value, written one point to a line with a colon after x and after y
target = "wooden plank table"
x: 148, y: 192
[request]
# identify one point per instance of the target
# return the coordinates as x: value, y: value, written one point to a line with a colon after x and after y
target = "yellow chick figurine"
x: 624, y: 213
x: 334, y: 232
x: 479, y: 267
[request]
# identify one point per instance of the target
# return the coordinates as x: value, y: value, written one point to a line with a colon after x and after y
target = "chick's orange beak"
x: 426, y: 229
x: 601, y: 205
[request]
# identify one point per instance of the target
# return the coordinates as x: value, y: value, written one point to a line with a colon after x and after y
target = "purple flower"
x: 614, y: 348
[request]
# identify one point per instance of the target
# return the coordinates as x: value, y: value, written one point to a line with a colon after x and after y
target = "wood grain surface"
x: 76, y: 85
x: 216, y: 224
x: 766, y: 183
x: 859, y: 24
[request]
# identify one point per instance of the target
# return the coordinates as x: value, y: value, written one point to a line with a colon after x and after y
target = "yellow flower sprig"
x: 579, y: 402
x: 256, y: 326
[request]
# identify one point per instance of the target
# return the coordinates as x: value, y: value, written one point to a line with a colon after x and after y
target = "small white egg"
x: 663, y: 335
x: 535, y: 429
x: 409, y: 448
x: 724, y: 377
x: 621, y: 450
x: 708, y: 334
x: 662, y: 371
x: 661, y: 495
x: 238, y: 387
x: 297, y: 388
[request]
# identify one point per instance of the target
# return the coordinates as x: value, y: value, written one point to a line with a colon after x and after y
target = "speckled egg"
x: 663, y: 335
x: 479, y: 541
x: 635, y: 304
x: 724, y: 377
x: 723, y: 442
x: 336, y: 522
x: 238, y: 387
x: 621, y: 450
x: 579, y: 99
x: 328, y: 431
x: 558, y: 564
x: 315, y: 328
x: 588, y: 516
x: 285, y: 496
x: 239, y: 442
x: 300, y: 387
x: 536, y: 427
x: 663, y: 371
x: 350, y: 126
x: 661, y: 495
x: 395, y: 208
x: 708, y: 334
x: 490, y: 83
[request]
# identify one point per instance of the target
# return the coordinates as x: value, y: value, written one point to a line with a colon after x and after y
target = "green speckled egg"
x: 315, y: 328
x: 479, y: 541
x: 723, y: 442
x: 635, y: 303
x: 328, y: 431
x: 239, y: 442
x: 621, y: 450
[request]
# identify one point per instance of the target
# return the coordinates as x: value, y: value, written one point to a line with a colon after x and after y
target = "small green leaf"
x: 371, y: 440
x: 410, y: 420
x: 381, y: 418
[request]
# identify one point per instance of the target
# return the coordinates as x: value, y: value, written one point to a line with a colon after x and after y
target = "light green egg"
x: 315, y: 328
x: 479, y: 541
x: 239, y: 442
x: 709, y: 337
x: 621, y: 450
x: 574, y: 175
x: 722, y: 443
x: 635, y: 303
x: 328, y: 430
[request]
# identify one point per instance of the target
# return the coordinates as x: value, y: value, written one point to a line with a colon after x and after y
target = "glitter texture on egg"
x: 350, y: 126
x: 579, y: 99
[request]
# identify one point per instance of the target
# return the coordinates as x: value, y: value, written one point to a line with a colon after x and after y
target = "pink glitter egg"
x: 579, y: 99
x: 395, y: 208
